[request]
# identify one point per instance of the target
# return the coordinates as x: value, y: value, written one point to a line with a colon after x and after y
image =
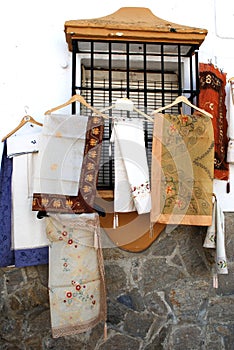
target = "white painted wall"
x: 35, y: 65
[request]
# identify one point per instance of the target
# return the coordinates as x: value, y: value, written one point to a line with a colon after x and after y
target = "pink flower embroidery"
x: 172, y: 128
x: 70, y: 241
x: 64, y: 233
x: 179, y: 203
x: 78, y: 287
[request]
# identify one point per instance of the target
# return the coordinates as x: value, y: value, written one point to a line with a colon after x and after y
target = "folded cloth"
x: 182, y: 170
x: 76, y: 273
x: 215, y: 238
x: 77, y: 158
x: 25, y: 140
x: 132, y: 187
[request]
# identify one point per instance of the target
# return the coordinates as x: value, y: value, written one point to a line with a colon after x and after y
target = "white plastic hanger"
x: 125, y: 104
x: 24, y: 120
x: 76, y: 98
x: 182, y: 99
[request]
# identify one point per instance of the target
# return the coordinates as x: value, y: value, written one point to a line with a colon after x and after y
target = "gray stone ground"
x: 159, y: 299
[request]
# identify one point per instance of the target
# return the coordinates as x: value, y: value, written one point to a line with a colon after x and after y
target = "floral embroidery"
x: 89, y: 177
x: 65, y: 265
x: 69, y: 294
x: 179, y: 203
x: 141, y: 190
x: 86, y: 189
x: 169, y: 189
x: 96, y: 131
x: 172, y: 128
x: 44, y: 201
x: 78, y: 287
x: 184, y: 119
x: 222, y: 264
x: 56, y: 204
x: 93, y: 142
x: 90, y: 166
x: 79, y: 293
x: 69, y: 203
x: 92, y: 154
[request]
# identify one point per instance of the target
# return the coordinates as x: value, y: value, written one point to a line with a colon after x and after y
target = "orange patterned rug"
x: 212, y: 99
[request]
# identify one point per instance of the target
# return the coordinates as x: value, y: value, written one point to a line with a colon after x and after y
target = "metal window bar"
x: 150, y: 74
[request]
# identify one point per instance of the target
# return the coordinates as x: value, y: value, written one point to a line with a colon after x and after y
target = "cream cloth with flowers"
x: 61, y: 152
x: 132, y: 188
x: 76, y: 273
x: 215, y: 238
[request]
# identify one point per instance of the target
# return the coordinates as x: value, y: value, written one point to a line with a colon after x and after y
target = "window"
x: 151, y: 75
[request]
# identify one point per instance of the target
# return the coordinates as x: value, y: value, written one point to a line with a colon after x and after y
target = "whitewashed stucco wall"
x: 35, y: 65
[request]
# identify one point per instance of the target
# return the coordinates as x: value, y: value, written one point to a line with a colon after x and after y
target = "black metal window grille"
x: 150, y: 74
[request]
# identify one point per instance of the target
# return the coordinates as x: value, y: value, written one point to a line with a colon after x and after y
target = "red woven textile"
x: 212, y: 99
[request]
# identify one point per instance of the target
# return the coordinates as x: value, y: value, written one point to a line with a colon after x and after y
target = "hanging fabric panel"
x: 212, y: 99
x: 182, y: 170
x: 88, y: 162
x: 76, y: 273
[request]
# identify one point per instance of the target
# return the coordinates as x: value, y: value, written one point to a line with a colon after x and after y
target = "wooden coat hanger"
x: 186, y: 101
x: 24, y: 120
x: 231, y: 80
x: 124, y: 101
x: 76, y: 98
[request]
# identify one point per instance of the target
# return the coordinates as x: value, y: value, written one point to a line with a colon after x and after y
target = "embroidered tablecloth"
x: 76, y: 273
x: 86, y: 161
x: 182, y: 169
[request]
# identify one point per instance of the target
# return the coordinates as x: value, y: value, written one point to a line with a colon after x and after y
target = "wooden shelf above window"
x: 132, y: 24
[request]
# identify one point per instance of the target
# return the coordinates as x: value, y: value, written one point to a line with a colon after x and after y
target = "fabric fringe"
x: 115, y: 220
x: 105, y: 331
x: 215, y: 280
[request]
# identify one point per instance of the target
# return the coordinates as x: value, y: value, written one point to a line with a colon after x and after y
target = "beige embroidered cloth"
x: 76, y: 273
x: 182, y: 170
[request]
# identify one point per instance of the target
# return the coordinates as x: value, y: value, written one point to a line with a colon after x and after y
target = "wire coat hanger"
x: 186, y: 101
x: 26, y: 119
x: 124, y: 101
x: 76, y: 98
